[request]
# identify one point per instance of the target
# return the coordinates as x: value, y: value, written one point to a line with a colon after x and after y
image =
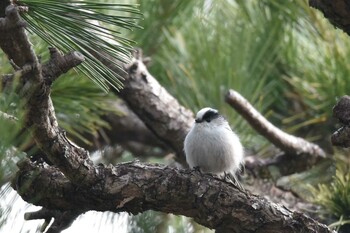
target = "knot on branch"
x: 60, y: 64
x: 12, y: 19
x: 341, y: 110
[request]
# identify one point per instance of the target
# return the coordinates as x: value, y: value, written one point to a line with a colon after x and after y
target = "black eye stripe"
x: 210, y: 115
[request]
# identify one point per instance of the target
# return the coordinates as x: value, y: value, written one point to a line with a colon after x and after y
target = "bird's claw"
x: 197, y: 169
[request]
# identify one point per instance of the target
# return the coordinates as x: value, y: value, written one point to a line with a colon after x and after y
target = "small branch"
x: 63, y: 219
x: 12, y: 29
x: 60, y: 64
x: 288, y: 143
x: 9, y: 117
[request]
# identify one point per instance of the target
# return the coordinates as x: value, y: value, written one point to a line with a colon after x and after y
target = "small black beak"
x: 198, y: 120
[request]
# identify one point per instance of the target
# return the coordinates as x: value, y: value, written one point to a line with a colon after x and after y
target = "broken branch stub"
x: 341, y: 111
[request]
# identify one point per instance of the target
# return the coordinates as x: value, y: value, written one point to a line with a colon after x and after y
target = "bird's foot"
x: 230, y: 178
x: 197, y: 169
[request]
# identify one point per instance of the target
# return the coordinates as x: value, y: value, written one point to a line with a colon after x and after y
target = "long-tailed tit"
x: 212, y: 146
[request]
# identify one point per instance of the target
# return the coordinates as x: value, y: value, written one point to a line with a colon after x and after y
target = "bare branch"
x: 126, y: 126
x: 212, y: 202
x: 9, y: 117
x: 288, y: 143
x: 62, y: 219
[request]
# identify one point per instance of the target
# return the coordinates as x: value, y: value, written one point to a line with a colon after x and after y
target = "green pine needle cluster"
x: 335, y: 197
x: 12, y: 137
x: 88, y: 27
x: 80, y: 105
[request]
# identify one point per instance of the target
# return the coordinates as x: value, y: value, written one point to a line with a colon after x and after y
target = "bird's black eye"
x: 210, y: 115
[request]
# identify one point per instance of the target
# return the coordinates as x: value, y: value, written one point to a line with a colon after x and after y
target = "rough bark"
x: 210, y: 201
x: 341, y: 111
x: 60, y: 64
x: 40, y: 116
x: 153, y: 104
x: 336, y: 11
x: 74, y: 185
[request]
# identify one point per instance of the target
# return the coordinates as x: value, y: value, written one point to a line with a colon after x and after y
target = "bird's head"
x: 207, y: 115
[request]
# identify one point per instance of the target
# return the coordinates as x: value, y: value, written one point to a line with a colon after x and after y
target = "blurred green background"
x: 283, y: 56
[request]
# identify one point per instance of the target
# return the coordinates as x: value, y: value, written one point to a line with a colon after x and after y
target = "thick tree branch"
x: 288, y: 143
x: 210, y: 201
x: 159, y: 110
x: 40, y: 116
x: 336, y: 11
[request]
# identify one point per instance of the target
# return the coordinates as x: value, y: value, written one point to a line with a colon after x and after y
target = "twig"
x: 63, y: 219
x: 288, y: 143
x: 8, y: 117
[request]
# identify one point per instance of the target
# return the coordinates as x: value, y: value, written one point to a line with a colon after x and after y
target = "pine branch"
x: 152, y: 103
x: 288, y: 143
x: 136, y: 187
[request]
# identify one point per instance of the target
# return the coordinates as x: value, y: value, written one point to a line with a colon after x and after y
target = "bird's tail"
x: 231, y: 177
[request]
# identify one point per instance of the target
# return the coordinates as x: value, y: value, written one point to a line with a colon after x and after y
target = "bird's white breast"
x: 213, y: 149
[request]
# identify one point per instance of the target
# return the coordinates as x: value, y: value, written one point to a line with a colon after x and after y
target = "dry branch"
x: 288, y: 143
x: 125, y: 128
x: 211, y: 202
x: 336, y: 11
x: 62, y: 219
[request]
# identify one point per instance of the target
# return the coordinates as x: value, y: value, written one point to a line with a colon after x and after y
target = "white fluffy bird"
x: 212, y: 146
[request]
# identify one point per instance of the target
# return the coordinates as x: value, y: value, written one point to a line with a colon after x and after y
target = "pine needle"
x: 86, y: 27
